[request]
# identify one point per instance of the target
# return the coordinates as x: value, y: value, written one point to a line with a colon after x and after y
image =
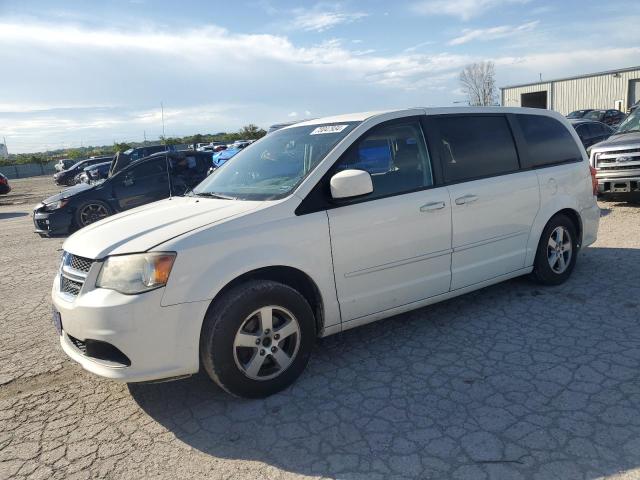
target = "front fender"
x: 210, y: 259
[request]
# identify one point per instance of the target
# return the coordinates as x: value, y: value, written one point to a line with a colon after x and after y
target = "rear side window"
x: 548, y: 141
x: 148, y: 169
x: 476, y: 146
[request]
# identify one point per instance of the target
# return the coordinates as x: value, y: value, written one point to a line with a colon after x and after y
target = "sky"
x: 81, y: 72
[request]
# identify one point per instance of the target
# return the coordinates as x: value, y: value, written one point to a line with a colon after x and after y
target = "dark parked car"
x: 93, y: 173
x: 610, y: 117
x: 68, y: 176
x: 4, y: 185
x: 63, y: 164
x: 142, y: 182
x: 579, y: 113
x: 123, y: 159
x: 591, y: 132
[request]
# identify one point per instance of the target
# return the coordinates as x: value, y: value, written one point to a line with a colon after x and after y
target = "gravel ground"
x: 514, y: 381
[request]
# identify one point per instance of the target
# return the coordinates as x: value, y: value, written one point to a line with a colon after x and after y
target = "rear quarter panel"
x: 562, y: 187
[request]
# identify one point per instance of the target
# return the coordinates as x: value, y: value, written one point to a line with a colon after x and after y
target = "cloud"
x: 323, y: 17
x: 493, y: 33
x: 125, y: 73
x: 206, y: 45
x: 71, y: 126
x: 566, y: 63
x: 71, y: 83
x: 463, y: 9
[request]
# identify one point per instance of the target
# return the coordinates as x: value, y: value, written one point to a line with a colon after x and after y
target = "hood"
x: 619, y: 141
x: 68, y: 192
x: 144, y: 227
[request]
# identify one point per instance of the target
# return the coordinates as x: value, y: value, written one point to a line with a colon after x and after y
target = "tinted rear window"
x: 476, y: 146
x: 548, y: 141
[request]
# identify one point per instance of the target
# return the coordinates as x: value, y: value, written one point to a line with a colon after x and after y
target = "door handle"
x: 432, y: 207
x: 466, y: 199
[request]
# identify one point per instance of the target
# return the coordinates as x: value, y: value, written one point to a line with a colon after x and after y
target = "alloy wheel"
x: 92, y: 213
x: 559, y: 250
x: 266, y: 343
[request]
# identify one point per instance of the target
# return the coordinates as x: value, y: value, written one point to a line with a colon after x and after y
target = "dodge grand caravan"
x: 320, y: 227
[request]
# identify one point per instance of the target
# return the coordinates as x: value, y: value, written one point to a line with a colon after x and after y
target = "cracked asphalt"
x: 514, y: 381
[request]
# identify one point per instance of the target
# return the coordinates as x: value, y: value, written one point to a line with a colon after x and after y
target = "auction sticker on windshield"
x: 328, y: 129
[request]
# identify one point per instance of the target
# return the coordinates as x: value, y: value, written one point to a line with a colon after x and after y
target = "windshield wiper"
x: 626, y: 131
x: 214, y: 195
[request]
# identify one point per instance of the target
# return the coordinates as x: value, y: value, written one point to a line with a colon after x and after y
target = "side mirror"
x: 128, y: 181
x: 350, y: 183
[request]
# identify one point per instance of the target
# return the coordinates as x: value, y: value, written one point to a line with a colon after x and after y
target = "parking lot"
x: 513, y: 381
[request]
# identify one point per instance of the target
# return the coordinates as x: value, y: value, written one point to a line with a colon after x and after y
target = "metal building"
x: 603, y: 90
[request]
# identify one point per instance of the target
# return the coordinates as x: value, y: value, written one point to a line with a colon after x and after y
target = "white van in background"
x: 319, y: 227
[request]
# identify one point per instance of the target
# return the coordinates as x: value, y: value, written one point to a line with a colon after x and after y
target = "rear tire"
x: 256, y: 339
x: 557, y: 251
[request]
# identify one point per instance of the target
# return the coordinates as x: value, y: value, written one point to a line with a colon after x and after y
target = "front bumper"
x: 159, y: 342
x: 619, y: 185
x: 618, y: 181
x: 56, y: 222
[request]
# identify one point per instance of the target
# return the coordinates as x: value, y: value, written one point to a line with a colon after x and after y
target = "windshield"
x: 577, y: 114
x: 77, y: 165
x: 273, y: 166
x: 594, y: 115
x: 631, y: 123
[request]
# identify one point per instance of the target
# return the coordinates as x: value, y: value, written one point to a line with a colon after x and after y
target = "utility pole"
x: 144, y: 134
x: 166, y: 157
x: 162, y: 114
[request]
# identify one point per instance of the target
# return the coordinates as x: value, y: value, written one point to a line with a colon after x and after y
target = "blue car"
x: 220, y: 158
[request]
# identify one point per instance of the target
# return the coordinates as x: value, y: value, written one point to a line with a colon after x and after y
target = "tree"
x: 479, y: 84
x: 171, y: 140
x: 251, y: 132
x: 75, y: 154
x: 121, y: 147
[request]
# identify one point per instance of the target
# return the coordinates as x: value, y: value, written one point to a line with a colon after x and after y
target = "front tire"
x: 90, y: 212
x: 257, y: 338
x: 557, y: 251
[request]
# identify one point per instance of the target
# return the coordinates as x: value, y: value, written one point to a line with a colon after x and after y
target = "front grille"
x: 622, y: 152
x: 609, y: 159
x: 70, y: 286
x: 80, y: 263
x: 620, y: 167
x: 73, y: 272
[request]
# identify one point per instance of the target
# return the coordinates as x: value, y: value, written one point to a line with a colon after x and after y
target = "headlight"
x: 49, y: 207
x: 137, y: 273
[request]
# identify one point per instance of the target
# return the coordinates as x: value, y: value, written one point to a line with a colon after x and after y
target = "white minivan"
x: 319, y: 227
